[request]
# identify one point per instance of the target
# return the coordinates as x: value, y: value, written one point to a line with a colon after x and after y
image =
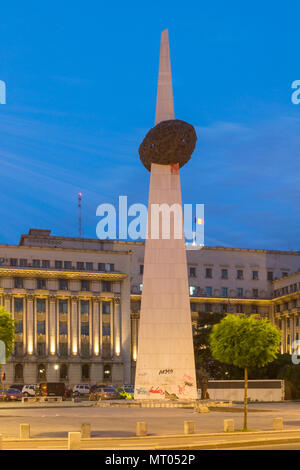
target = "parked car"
x: 10, y: 394
x: 17, y: 386
x: 126, y: 392
x: 29, y: 390
x: 48, y: 389
x: 68, y: 393
x: 81, y: 390
x: 104, y: 393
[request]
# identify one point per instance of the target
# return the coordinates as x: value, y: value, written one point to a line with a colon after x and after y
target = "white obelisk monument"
x: 165, y: 366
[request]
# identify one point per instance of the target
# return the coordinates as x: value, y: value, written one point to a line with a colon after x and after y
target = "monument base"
x: 193, y: 404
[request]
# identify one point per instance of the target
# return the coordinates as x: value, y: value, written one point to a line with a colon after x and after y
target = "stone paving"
x: 50, y: 421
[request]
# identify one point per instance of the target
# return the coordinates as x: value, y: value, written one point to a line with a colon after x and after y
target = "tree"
x: 206, y: 365
x: 245, y: 341
x: 7, y: 330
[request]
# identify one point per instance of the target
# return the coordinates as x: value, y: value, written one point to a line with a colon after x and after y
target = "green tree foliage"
x: 7, y: 330
x: 244, y: 341
x: 206, y: 365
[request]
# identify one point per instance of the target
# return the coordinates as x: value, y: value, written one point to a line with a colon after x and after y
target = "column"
x: 284, y: 329
x: 74, y: 326
x: 117, y: 326
x: 96, y: 328
x: 30, y: 325
x: 52, y: 325
x: 101, y: 331
x: 292, y: 332
x: 8, y: 302
x: 112, y: 339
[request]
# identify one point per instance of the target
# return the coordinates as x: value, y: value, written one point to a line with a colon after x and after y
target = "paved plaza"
x: 57, y: 421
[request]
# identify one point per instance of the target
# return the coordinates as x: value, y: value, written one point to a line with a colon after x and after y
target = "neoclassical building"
x: 76, y: 301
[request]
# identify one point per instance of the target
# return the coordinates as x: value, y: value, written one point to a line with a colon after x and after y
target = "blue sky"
x: 81, y: 83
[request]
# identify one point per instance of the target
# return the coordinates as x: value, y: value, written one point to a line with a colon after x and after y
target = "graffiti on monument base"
x: 142, y: 391
x: 187, y: 381
x: 171, y: 396
x: 165, y: 371
x: 156, y: 390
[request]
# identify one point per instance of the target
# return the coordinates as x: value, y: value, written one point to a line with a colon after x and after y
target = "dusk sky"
x: 81, y: 82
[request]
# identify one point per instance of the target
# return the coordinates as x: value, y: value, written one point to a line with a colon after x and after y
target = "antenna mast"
x: 79, y: 214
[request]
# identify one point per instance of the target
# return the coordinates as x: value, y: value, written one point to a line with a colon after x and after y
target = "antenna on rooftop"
x: 79, y: 214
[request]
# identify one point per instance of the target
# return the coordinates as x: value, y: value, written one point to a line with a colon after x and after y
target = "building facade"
x: 76, y: 302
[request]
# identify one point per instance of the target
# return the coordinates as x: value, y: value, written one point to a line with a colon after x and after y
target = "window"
x: 141, y: 287
x: 255, y: 275
x: 85, y: 285
x: 80, y: 265
x: 18, y: 282
x: 89, y: 266
x: 18, y: 348
x: 193, y: 290
x: 240, y: 292
x: 63, y: 371
x: 224, y: 292
x: 41, y: 327
x: 63, y: 349
x: 105, y: 307
x: 85, y: 371
x: 106, y: 286
x: 41, y: 305
x: 239, y: 308
x: 270, y: 276
x: 207, y: 308
x: 13, y: 262
x: 101, y: 267
x: 224, y: 273
x: 85, y: 350
x: 63, y: 306
x: 288, y: 323
x: 224, y: 308
x: 208, y: 291
x: 284, y: 274
x: 67, y: 264
x: 18, y: 305
x: 84, y: 306
x: 58, y: 264
x: 84, y: 328
x: 19, y: 326
x: 208, y: 273
x: 23, y: 262
x: 110, y: 267
x: 107, y: 372
x: 45, y: 263
x: 297, y: 321
x: 254, y: 309
x: 240, y: 274
x: 192, y: 272
x: 19, y: 371
x: 255, y: 293
x: 41, y: 372
x: 63, y: 327
x: 141, y: 269
x: 106, y: 329
x: 63, y: 284
x: 41, y: 349
x: 288, y: 339
x: 36, y: 263
x: 41, y: 283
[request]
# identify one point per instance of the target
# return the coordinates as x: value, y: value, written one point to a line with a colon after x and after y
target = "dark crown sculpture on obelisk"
x: 165, y: 360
